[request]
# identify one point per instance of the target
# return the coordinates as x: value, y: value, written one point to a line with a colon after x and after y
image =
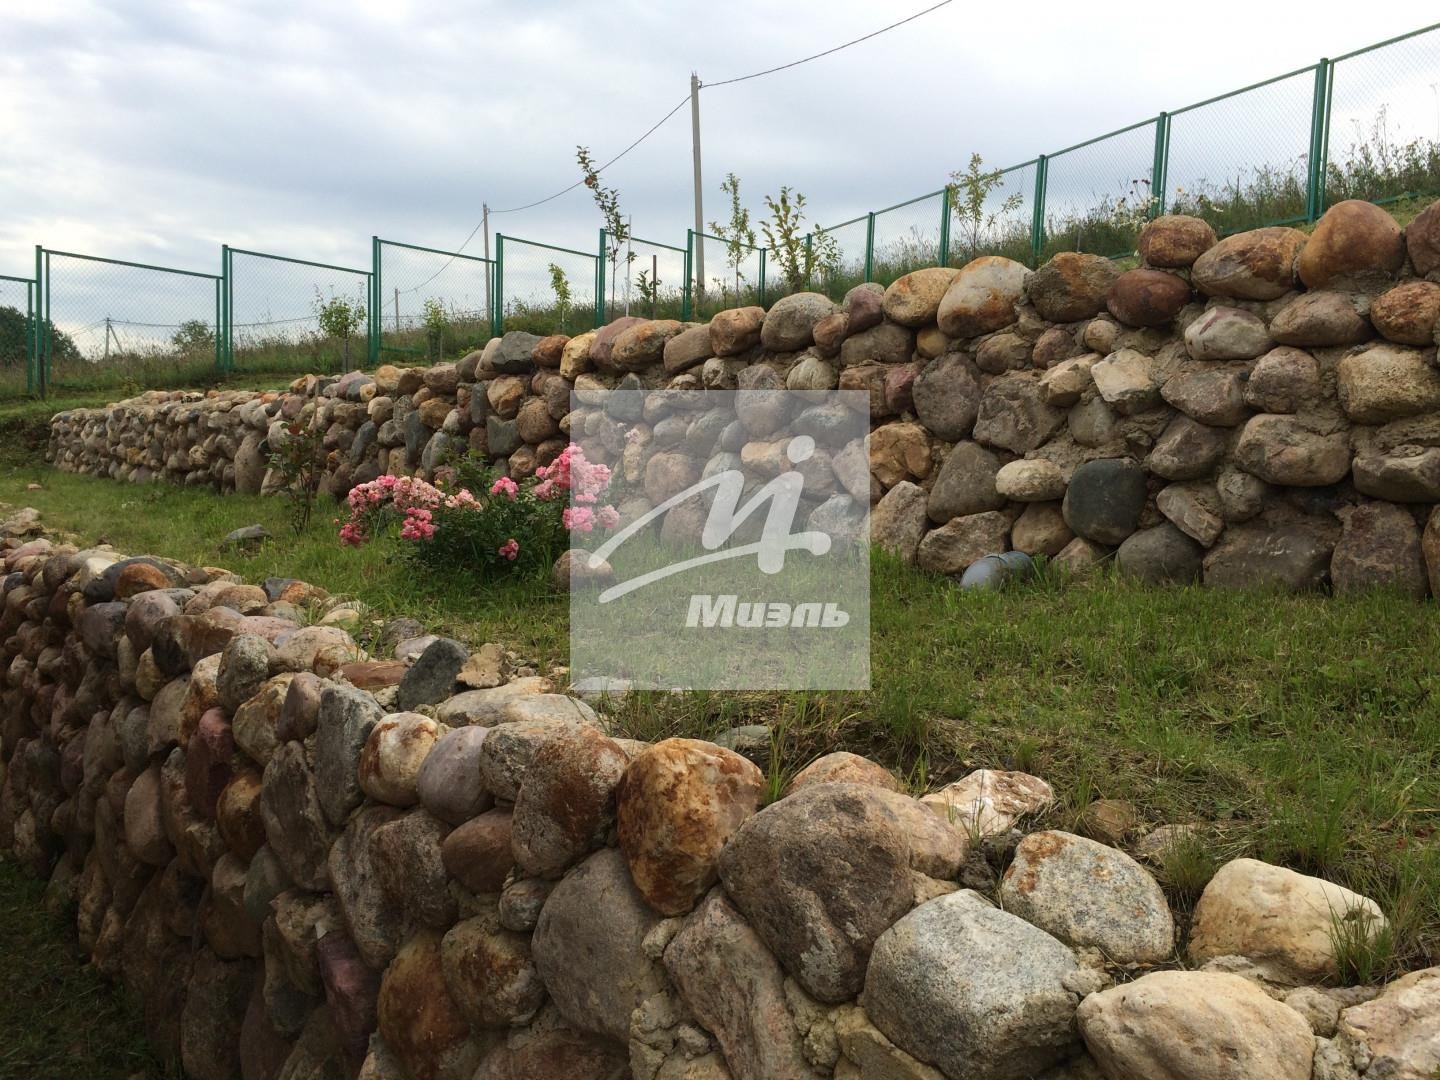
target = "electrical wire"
x: 678, y: 106
x: 828, y: 52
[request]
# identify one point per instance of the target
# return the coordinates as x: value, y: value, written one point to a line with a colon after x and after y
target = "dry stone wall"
x: 306, y: 863
x: 1258, y: 410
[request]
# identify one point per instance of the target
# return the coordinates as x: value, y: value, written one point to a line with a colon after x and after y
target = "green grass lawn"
x: 59, y: 1019
x: 1304, y: 729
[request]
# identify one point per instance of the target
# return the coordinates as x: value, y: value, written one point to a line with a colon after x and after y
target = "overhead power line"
x: 828, y: 52
x: 654, y: 128
x: 678, y: 106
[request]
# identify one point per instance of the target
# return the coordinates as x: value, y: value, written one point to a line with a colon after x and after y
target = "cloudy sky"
x: 156, y: 130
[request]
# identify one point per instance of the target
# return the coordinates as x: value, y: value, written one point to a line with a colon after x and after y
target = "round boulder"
x: 1408, y: 314
x: 566, y: 802
x: 973, y: 990
x: 789, y: 326
x: 1088, y: 894
x: 1071, y: 286
x: 820, y: 875
x: 1195, y: 1025
x: 1354, y: 242
x: 1162, y: 555
x: 394, y: 752
x: 1254, y: 265
x: 1145, y: 297
x: 914, y: 298
x: 1104, y: 500
x: 1174, y: 240
x: 982, y: 297
x: 677, y: 805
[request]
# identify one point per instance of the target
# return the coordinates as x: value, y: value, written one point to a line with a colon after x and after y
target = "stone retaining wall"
x: 1264, y: 409
x: 305, y: 863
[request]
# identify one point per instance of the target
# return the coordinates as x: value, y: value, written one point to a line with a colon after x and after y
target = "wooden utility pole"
x: 699, y: 212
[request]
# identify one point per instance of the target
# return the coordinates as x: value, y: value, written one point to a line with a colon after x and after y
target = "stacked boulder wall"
x: 1256, y: 392
x: 294, y: 876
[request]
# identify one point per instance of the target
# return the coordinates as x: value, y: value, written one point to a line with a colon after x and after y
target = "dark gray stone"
x: 1160, y: 556
x: 431, y: 679
x: 1104, y: 500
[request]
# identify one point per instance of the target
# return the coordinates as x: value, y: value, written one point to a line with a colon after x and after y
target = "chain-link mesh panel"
x: 110, y: 323
x: 431, y: 305
x: 1242, y: 161
x: 996, y: 220
x: 543, y: 289
x: 907, y: 237
x: 650, y: 281
x: 293, y: 315
x: 17, y: 312
x: 735, y: 276
x: 840, y: 259
x: 1097, y: 195
x: 1385, y: 121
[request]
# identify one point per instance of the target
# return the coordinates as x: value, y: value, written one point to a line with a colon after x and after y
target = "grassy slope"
x: 58, y: 1018
x: 1307, y: 727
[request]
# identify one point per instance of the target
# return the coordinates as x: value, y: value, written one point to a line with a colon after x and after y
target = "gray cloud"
x: 156, y: 130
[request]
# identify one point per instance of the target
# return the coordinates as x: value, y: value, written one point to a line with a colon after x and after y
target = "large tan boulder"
x: 914, y: 299
x: 1071, y: 286
x: 1194, y: 1025
x: 1386, y: 382
x: 1354, y: 242
x: 1283, y: 922
x: 1396, y: 1035
x: 1255, y: 265
x: 982, y: 297
x: 1422, y: 240
x: 1174, y: 240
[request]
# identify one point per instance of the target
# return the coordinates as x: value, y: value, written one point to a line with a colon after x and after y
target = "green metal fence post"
x: 219, y: 319
x: 42, y: 322
x: 1037, y: 220
x: 945, y: 226
x: 1319, y: 141
x: 600, y: 283
x: 761, y: 296
x: 869, y: 245
x: 497, y: 316
x: 375, y: 293
x: 809, y: 259
x: 1159, y: 165
x: 686, y: 297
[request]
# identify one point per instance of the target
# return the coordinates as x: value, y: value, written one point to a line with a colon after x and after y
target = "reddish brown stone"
x: 1422, y: 239
x: 1175, y: 240
x: 678, y: 803
x: 567, y: 801
x: 419, y: 1020
x: 373, y: 674
x: 549, y: 350
x: 602, y: 345
x: 352, y: 991
x: 1408, y: 313
x: 1147, y: 297
x: 208, y: 762
x: 478, y: 854
x: 237, y: 812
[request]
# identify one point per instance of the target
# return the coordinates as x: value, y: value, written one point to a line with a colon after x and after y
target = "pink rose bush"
x: 513, y: 526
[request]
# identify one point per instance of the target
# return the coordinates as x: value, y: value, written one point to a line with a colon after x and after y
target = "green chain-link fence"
x: 737, y: 275
x: 428, y: 305
x: 283, y: 314
x: 543, y: 288
x: 17, y: 336
x: 650, y: 280
x: 106, y: 322
x: 1365, y: 125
